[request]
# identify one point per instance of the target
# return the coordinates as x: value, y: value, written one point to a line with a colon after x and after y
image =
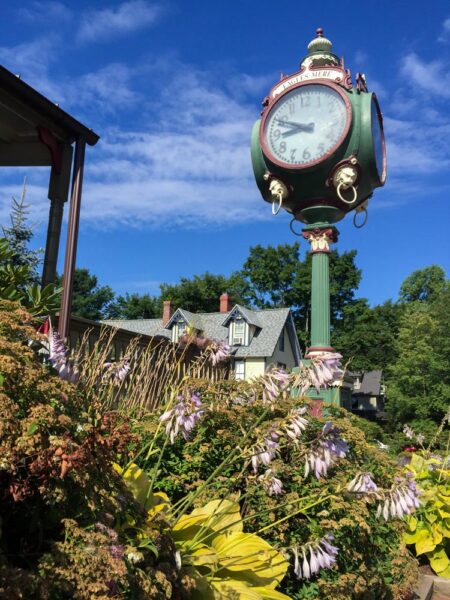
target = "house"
x: 368, y: 394
x: 259, y: 338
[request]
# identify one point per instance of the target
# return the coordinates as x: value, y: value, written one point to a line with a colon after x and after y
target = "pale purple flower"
x: 274, y: 383
x: 264, y: 453
x: 409, y: 433
x: 325, y: 452
x: 111, y: 533
x: 272, y: 484
x: 324, y: 370
x: 58, y: 358
x: 117, y: 371
x: 402, y: 499
x: 322, y: 555
x: 420, y: 438
x: 296, y: 423
x: 220, y: 352
x: 362, y: 484
x: 184, y: 415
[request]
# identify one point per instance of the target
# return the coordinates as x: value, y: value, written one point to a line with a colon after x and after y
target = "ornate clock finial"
x: 320, y: 43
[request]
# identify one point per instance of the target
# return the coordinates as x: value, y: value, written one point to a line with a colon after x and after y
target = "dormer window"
x: 178, y: 330
x: 238, y: 332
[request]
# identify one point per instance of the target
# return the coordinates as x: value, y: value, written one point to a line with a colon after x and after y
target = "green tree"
x: 202, y: 292
x: 19, y: 235
x: 419, y: 382
x: 135, y: 306
x: 276, y: 277
x: 367, y: 335
x: 89, y: 300
x: 423, y: 285
x: 17, y: 284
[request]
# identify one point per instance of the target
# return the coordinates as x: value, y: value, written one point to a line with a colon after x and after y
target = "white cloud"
x: 45, y: 11
x: 109, y: 88
x: 31, y: 60
x: 107, y: 23
x: 445, y: 33
x: 433, y: 76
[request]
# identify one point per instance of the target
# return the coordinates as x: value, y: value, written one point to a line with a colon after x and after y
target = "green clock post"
x: 318, y: 152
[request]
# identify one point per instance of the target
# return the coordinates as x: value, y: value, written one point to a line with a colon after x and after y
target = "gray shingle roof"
x: 370, y: 383
x: 269, y: 325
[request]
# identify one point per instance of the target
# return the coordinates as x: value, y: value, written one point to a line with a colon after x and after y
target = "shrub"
x: 372, y: 562
x: 69, y: 524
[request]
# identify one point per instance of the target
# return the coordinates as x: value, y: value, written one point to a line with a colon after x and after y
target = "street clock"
x: 318, y: 150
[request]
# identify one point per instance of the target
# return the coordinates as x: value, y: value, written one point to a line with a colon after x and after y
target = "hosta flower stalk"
x: 310, y: 558
x: 184, y: 415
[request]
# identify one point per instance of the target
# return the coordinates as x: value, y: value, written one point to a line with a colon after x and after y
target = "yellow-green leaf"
x: 438, y: 560
x: 231, y: 588
x: 424, y: 543
x: 203, y: 556
x: 217, y: 515
x: 269, y: 594
x: 137, y: 481
x: 412, y: 524
x: 445, y: 573
x: 246, y: 552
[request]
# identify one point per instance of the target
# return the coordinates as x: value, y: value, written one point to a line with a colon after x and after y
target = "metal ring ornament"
x: 275, y: 211
x: 292, y: 229
x: 341, y: 197
x: 366, y: 216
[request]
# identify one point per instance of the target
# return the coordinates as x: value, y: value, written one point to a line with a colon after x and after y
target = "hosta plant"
x: 429, y: 528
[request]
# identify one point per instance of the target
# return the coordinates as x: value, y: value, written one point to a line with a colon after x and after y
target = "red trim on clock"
x: 262, y: 139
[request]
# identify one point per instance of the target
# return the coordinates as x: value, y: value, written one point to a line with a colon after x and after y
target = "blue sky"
x: 173, y: 88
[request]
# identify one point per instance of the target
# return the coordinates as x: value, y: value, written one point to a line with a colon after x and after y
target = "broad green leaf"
x: 251, y: 555
x: 32, y: 428
x: 137, y: 481
x: 445, y: 573
x: 438, y: 560
x: 424, y: 543
x: 237, y: 590
x: 203, y: 557
x: 412, y: 524
x: 269, y: 594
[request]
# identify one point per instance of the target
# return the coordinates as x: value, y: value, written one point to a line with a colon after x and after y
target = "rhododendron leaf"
x: 438, y: 560
x: 252, y: 556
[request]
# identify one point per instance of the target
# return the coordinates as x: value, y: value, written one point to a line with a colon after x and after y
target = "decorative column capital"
x: 320, y: 238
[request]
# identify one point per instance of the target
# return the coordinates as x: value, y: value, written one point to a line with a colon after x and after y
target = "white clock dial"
x: 306, y: 124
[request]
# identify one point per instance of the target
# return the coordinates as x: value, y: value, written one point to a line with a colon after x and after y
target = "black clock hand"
x: 308, y: 128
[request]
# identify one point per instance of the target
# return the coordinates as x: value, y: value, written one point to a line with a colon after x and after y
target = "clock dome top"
x: 320, y: 52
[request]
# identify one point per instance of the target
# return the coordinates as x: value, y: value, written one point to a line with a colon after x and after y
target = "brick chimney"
x: 225, y: 303
x: 167, y: 311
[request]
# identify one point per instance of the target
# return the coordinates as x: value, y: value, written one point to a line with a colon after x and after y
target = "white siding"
x: 287, y: 357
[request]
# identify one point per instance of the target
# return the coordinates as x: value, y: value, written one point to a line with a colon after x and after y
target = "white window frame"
x: 178, y: 330
x: 238, y: 338
x: 239, y: 369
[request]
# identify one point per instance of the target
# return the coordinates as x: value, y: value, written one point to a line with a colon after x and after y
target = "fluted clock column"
x: 320, y: 238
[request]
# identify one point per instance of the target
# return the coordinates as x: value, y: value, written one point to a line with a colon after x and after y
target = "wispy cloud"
x: 108, y: 23
x: 31, y: 60
x: 433, y: 76
x: 445, y: 33
x: 45, y: 11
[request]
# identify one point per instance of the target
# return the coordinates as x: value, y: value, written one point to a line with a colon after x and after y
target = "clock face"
x: 379, y: 149
x: 306, y: 125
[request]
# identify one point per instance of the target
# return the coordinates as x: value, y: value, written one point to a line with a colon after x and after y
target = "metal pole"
x: 72, y: 238
x: 52, y: 245
x: 320, y: 236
